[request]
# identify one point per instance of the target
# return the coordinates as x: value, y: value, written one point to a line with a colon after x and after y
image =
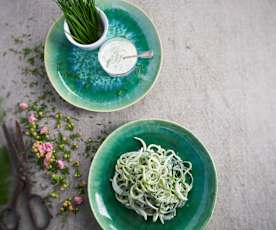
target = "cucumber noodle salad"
x: 152, y: 181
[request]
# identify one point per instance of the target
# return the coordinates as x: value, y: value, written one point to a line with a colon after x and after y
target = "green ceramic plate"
x: 77, y: 75
x: 110, y: 214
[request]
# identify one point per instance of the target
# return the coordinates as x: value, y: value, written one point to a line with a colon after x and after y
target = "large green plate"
x: 110, y: 214
x: 77, y: 75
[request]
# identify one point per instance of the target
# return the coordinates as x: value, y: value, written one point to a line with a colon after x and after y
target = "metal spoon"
x: 145, y: 55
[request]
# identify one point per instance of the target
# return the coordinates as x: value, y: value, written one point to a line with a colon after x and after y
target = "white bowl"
x: 94, y: 45
x: 132, y: 49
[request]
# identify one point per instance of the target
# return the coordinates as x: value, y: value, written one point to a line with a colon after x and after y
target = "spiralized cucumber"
x: 152, y: 181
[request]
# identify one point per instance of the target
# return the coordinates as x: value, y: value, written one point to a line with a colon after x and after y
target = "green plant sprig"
x: 83, y: 19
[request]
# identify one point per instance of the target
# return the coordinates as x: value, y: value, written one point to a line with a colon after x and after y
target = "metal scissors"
x: 37, y: 210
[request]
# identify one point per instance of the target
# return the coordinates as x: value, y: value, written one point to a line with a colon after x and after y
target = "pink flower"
x: 48, y: 147
x: 60, y: 164
x: 43, y: 130
x: 31, y: 118
x: 44, y: 148
x: 78, y: 200
x: 41, y: 149
x: 47, y: 159
x: 48, y: 156
x: 23, y: 105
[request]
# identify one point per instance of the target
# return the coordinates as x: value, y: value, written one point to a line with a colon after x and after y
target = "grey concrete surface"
x: 218, y: 79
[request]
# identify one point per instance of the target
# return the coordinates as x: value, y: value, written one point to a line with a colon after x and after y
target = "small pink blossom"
x: 48, y: 156
x: 48, y: 147
x: 47, y: 160
x: 41, y: 149
x: 31, y: 118
x: 60, y: 164
x: 78, y: 200
x: 23, y: 105
x: 44, y: 148
x: 43, y: 130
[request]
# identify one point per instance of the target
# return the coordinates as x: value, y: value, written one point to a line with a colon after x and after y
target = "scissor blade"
x: 39, y: 212
x: 19, y: 141
x: 11, y: 148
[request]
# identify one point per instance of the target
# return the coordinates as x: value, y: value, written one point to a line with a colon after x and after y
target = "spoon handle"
x: 145, y: 55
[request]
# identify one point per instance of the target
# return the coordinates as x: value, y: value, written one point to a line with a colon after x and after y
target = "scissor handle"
x: 39, y: 212
x: 9, y: 219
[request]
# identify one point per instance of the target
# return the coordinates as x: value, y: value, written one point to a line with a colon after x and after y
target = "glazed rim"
x: 96, y: 43
x: 122, y: 107
x: 107, y: 43
x: 206, y: 221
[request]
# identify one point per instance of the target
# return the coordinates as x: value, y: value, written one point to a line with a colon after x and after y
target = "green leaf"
x: 5, y: 177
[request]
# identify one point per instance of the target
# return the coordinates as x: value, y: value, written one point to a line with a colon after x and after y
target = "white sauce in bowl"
x: 112, y: 53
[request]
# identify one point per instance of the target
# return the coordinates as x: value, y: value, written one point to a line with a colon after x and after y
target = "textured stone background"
x: 218, y: 79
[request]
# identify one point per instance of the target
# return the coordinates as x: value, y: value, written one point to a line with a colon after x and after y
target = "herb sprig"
x: 83, y: 19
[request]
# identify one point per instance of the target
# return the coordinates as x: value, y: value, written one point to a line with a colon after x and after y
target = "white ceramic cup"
x: 106, y: 44
x: 94, y: 45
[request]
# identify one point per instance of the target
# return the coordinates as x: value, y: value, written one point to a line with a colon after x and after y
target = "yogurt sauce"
x: 112, y: 53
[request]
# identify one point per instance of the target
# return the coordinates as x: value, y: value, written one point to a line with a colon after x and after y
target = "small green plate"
x: 111, y: 214
x: 77, y: 75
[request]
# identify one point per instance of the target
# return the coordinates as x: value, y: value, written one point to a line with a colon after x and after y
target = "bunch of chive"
x: 83, y: 20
